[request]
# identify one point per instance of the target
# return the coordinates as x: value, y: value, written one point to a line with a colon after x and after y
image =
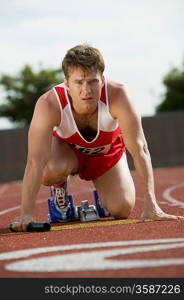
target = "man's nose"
x: 86, y: 88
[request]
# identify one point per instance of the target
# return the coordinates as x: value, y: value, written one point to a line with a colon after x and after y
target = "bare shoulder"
x: 116, y: 90
x: 48, y: 107
x: 119, y: 98
x: 113, y: 86
x: 48, y: 99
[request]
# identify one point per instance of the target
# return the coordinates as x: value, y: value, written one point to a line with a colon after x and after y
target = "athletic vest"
x: 107, y: 129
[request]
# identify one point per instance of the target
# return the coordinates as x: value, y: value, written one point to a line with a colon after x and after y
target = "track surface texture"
x: 106, y: 248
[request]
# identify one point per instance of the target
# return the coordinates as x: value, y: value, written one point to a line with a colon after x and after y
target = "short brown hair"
x: 84, y: 57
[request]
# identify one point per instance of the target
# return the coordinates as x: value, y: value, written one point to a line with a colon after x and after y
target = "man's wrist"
x: 149, y: 197
x: 27, y: 211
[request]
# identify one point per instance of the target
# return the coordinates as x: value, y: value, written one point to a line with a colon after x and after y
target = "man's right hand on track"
x: 22, y: 222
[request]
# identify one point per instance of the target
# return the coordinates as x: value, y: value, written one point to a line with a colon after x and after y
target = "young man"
x: 82, y: 127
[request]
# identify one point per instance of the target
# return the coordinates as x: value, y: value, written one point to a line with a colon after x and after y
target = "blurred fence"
x: 164, y: 134
x: 13, y: 153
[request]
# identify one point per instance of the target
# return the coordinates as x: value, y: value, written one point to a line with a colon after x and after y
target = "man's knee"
x: 53, y: 175
x: 48, y: 180
x: 121, y: 210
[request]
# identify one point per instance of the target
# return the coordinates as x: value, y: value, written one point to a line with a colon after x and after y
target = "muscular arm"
x: 133, y: 135
x: 122, y: 109
x: 39, y: 150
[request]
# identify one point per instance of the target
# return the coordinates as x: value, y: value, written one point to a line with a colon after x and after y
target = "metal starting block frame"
x: 87, y: 212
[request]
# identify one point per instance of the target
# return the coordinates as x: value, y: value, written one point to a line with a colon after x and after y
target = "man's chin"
x: 87, y: 108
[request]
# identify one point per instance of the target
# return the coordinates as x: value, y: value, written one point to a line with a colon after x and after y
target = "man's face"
x: 84, y: 88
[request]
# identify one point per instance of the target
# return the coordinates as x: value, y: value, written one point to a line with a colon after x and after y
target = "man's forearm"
x: 31, y: 185
x: 143, y: 166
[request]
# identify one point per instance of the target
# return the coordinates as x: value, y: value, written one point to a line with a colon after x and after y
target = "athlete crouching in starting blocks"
x: 82, y: 126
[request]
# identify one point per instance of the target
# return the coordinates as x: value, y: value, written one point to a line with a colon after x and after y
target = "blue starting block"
x: 84, y: 212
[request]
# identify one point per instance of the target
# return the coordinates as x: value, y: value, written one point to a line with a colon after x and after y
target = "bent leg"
x: 116, y: 189
x: 62, y: 163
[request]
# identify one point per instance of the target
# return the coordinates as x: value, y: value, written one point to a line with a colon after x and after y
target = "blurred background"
x: 143, y: 46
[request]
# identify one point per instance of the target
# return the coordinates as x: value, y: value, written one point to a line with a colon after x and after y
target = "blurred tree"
x: 174, y: 95
x: 23, y: 90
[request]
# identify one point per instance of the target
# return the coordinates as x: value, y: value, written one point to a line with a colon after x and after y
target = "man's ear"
x: 66, y: 83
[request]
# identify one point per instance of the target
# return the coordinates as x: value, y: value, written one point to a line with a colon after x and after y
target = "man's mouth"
x: 87, y: 99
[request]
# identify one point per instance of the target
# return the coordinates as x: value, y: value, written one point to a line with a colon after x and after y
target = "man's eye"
x: 94, y: 81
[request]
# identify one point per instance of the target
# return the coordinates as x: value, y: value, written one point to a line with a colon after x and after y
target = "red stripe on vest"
x: 103, y: 95
x: 62, y: 97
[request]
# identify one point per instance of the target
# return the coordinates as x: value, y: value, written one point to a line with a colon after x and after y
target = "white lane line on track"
x: 167, y: 195
x: 96, y: 261
x: 3, y: 212
x: 34, y: 251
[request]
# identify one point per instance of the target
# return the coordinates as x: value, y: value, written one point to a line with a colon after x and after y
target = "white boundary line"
x: 3, y: 212
x: 166, y: 195
x: 35, y: 251
x: 97, y: 259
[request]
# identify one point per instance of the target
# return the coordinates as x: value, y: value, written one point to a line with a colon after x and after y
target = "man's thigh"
x: 62, y: 162
x: 116, y: 189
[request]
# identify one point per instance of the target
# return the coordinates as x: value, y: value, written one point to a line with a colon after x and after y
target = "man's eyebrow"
x: 78, y: 79
x: 82, y: 79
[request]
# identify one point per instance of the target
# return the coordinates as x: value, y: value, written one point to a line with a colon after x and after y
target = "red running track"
x: 106, y: 248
